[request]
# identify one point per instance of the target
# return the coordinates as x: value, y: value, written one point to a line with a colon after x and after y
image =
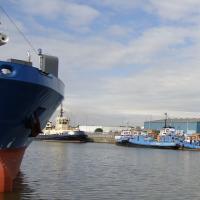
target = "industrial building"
x: 188, y: 125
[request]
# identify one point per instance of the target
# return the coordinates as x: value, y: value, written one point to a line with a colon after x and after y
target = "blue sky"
x: 121, y: 61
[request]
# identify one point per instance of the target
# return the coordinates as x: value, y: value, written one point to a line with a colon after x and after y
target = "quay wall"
x: 101, y: 138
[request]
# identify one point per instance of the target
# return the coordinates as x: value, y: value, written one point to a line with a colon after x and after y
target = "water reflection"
x: 21, y: 189
x: 102, y: 171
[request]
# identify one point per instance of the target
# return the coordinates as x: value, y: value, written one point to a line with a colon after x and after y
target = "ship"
x: 29, y: 96
x: 62, y: 131
x: 166, y: 140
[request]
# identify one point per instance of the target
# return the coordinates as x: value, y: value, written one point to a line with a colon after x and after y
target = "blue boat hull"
x: 190, y: 146
x: 154, y: 146
x: 28, y: 99
x: 18, y: 106
x: 20, y: 100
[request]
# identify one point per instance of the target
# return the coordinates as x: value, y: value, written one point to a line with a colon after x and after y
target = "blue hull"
x: 25, y: 92
x: 190, y: 146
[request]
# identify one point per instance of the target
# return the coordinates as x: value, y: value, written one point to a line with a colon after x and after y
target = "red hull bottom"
x: 10, y: 161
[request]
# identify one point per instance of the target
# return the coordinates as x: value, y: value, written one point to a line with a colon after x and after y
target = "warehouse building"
x: 188, y: 125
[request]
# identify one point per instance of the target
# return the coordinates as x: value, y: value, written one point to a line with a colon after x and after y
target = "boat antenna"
x: 165, y: 120
x: 29, y: 56
x: 18, y: 29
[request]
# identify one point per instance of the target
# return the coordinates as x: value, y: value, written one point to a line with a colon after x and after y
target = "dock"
x: 101, y: 138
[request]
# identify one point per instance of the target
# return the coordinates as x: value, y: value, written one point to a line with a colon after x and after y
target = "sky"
x: 122, y: 62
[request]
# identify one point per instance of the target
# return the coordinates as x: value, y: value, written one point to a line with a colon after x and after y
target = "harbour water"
x: 96, y: 171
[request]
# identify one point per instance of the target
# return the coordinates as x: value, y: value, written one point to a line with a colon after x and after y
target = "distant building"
x: 103, y: 129
x: 188, y: 125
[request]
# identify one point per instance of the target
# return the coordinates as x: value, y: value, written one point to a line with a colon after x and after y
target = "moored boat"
x: 75, y: 136
x: 191, y: 142
x: 62, y: 131
x: 168, y: 138
x: 149, y: 142
x: 123, y: 138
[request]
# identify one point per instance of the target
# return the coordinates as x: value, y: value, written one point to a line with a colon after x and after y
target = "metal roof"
x: 176, y: 120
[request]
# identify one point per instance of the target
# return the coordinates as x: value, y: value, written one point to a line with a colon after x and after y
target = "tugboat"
x: 62, y: 131
x: 167, y: 139
x: 123, y: 138
x: 29, y: 96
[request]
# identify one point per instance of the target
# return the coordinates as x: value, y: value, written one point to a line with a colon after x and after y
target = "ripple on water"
x: 53, y: 170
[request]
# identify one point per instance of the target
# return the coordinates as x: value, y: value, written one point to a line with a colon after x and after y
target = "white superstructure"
x: 61, y: 126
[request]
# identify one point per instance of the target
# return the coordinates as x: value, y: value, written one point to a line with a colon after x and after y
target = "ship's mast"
x: 165, y: 120
x: 61, y: 110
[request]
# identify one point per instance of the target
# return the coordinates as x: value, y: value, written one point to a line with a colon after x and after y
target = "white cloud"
x: 150, y: 93
x: 99, y: 53
x: 118, y: 31
x: 125, y: 4
x: 175, y: 10
x: 72, y: 15
x: 79, y: 15
x: 170, y: 82
x: 50, y: 9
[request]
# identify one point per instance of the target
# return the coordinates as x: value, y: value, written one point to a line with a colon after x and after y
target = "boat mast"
x: 61, y: 110
x: 165, y: 120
